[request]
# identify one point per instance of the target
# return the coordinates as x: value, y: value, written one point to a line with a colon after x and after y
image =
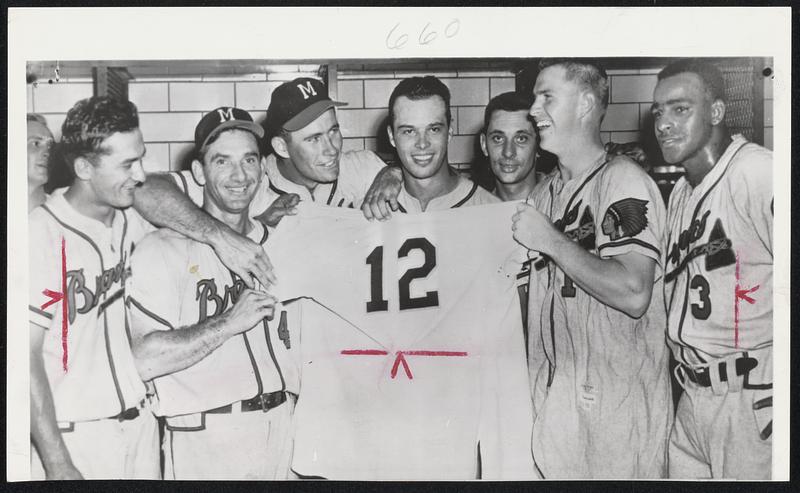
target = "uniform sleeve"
x: 368, y: 166
x: 631, y: 215
x: 138, y: 227
x: 188, y: 185
x: 263, y: 198
x: 760, y: 194
x: 44, y: 267
x: 153, y: 288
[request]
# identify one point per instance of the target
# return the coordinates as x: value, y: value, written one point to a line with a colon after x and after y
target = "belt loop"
x: 734, y: 379
x: 717, y: 386
x: 680, y: 375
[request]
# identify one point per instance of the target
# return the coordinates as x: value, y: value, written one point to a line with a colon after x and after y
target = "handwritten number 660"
x: 395, y: 40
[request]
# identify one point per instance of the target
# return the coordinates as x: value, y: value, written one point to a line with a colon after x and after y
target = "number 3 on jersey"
x: 702, y: 309
x: 375, y: 261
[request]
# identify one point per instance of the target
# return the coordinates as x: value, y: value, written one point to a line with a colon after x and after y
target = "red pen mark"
x: 740, y: 294
x: 55, y: 297
x: 400, y: 357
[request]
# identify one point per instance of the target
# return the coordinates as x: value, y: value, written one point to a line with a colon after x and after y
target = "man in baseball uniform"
x: 597, y: 358
x: 307, y: 161
x: 40, y: 141
x: 718, y: 280
x: 419, y: 128
x: 220, y: 369
x: 89, y: 412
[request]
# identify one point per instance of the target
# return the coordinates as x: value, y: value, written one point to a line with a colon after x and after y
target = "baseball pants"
x: 238, y: 445
x: 724, y: 431
x: 111, y: 449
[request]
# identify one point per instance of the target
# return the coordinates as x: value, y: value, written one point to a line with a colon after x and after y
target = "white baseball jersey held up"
x: 426, y: 359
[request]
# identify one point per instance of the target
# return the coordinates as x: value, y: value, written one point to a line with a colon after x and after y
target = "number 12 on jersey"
x: 376, y: 302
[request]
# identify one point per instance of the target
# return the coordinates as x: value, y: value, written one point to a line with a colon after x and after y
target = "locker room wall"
x: 170, y: 107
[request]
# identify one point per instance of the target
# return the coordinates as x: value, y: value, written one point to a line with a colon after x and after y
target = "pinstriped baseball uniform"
x: 599, y: 377
x: 719, y: 295
x: 194, y: 285
x: 100, y: 382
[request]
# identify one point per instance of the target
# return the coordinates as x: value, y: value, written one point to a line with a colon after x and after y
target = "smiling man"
x: 202, y: 338
x: 90, y: 416
x: 719, y: 280
x: 597, y: 358
x: 419, y: 128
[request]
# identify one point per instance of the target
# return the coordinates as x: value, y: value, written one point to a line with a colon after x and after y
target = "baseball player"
x: 307, y: 162
x: 419, y: 128
x: 718, y: 280
x: 597, y: 358
x: 90, y: 416
x: 40, y: 141
x: 509, y: 140
x: 220, y: 369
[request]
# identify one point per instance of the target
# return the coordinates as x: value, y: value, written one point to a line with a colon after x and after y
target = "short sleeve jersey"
x: 78, y: 267
x: 719, y: 261
x: 192, y: 286
x: 412, y: 352
x: 587, y: 360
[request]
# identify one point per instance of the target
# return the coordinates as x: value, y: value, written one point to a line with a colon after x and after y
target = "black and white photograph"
x: 426, y: 244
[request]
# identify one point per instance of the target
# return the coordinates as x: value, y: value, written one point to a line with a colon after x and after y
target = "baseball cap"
x: 297, y: 103
x: 225, y: 117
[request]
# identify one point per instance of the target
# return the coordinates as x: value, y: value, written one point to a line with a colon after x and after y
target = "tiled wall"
x: 171, y: 107
x: 368, y: 96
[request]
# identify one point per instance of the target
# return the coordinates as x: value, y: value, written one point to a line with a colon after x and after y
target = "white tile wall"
x: 188, y: 96
x: 59, y: 97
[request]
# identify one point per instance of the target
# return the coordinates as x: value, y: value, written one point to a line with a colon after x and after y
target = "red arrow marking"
x: 740, y: 294
x: 55, y: 297
x: 401, y: 357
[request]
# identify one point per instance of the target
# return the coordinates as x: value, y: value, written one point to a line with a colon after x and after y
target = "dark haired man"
x: 597, y: 358
x: 509, y: 140
x: 90, y: 415
x: 419, y: 128
x: 202, y: 338
x: 718, y: 280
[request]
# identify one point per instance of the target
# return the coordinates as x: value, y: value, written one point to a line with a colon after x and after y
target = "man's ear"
x: 280, y: 147
x: 391, y: 135
x: 717, y: 112
x: 263, y: 165
x: 483, y: 145
x: 587, y: 102
x: 197, y: 171
x: 83, y: 168
x: 449, y: 133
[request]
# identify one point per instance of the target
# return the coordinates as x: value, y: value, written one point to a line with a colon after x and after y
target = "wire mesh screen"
x: 739, y: 94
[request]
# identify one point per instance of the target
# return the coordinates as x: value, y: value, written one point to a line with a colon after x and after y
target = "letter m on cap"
x: 307, y: 90
x: 225, y: 114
